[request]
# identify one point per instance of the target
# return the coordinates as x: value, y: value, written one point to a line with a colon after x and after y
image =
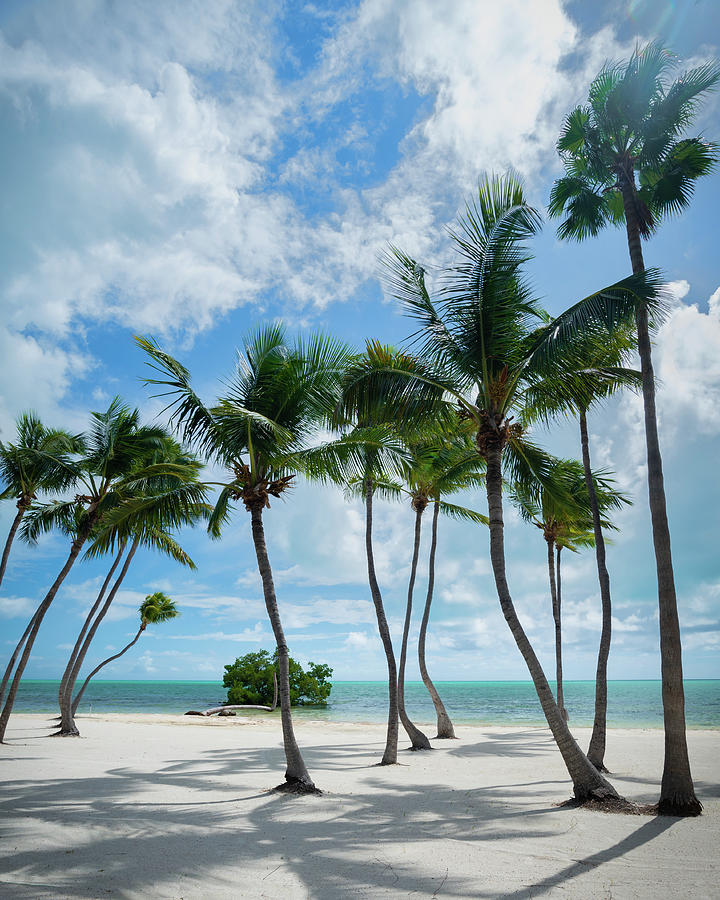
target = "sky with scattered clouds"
x: 188, y: 169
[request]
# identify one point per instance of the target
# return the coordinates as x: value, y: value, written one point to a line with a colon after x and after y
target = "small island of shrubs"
x: 250, y: 681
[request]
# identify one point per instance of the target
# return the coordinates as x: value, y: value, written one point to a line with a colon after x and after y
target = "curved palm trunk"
x: 83, y: 631
x: 588, y: 783
x: 68, y: 706
x: 419, y: 740
x: 296, y: 773
x: 444, y: 725
x: 596, y: 750
x: 558, y: 639
x: 37, y: 622
x: 677, y: 793
x: 105, y: 662
x: 13, y: 658
x: 10, y: 538
x: 558, y: 633
x: 391, y: 742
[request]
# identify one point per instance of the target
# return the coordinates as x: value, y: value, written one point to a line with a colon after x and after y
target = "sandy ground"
x: 173, y: 807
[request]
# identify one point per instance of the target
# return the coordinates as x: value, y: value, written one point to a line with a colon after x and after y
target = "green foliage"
x: 250, y: 681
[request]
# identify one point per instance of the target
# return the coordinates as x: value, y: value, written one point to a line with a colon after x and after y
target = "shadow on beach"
x: 228, y: 837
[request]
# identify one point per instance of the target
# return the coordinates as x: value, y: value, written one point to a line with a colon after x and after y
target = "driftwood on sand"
x: 220, y: 709
x: 226, y: 710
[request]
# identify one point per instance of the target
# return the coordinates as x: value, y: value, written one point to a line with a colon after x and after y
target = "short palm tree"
x: 106, y: 472
x: 162, y: 505
x: 482, y: 343
x: 439, y: 464
x: 563, y: 513
x: 154, y: 610
x: 627, y: 164
x: 260, y: 430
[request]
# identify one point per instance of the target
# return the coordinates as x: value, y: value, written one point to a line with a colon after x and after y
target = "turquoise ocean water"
x: 631, y: 704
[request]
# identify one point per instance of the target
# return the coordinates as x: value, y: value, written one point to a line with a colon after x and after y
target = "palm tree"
x: 438, y: 465
x: 37, y: 463
x: 155, y: 609
x: 632, y: 124
x: 260, y: 431
x: 562, y: 511
x: 166, y: 502
x: 106, y: 471
x: 603, y: 372
x: 482, y: 340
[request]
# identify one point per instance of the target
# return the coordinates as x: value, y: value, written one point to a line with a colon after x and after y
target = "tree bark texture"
x: 588, y: 783
x: 10, y: 538
x: 444, y: 724
x: 75, y: 549
x: 16, y: 652
x: 558, y: 637
x: 558, y: 633
x: 677, y: 793
x: 596, y: 750
x: 68, y: 705
x: 83, y: 631
x: 417, y: 737
x: 391, y: 741
x: 296, y: 773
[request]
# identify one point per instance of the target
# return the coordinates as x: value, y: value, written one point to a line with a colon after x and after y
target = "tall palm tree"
x: 105, y: 471
x: 37, y: 463
x: 632, y: 126
x: 261, y: 430
x: 155, y: 609
x: 603, y: 373
x: 165, y: 503
x: 482, y: 342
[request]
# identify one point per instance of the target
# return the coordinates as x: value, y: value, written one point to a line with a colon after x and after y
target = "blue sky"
x: 188, y: 169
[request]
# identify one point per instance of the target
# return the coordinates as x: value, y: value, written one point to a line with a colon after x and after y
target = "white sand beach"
x: 150, y: 806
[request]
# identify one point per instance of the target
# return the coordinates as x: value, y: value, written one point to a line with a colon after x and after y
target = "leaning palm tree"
x: 603, y: 372
x: 37, y: 463
x: 167, y: 502
x: 155, y: 609
x: 633, y: 125
x: 481, y: 343
x: 106, y: 471
x: 260, y: 431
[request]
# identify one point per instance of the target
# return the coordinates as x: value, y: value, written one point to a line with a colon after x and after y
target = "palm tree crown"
x: 632, y: 123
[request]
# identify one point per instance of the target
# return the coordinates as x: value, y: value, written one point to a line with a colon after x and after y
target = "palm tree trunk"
x: 419, y: 740
x: 596, y: 750
x: 588, y: 783
x: 13, y: 658
x: 75, y: 549
x: 296, y: 773
x: 105, y: 662
x: 558, y: 634
x: 444, y: 725
x: 390, y: 754
x: 677, y: 793
x: 10, y: 538
x: 83, y: 631
x: 68, y: 706
x: 558, y: 640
